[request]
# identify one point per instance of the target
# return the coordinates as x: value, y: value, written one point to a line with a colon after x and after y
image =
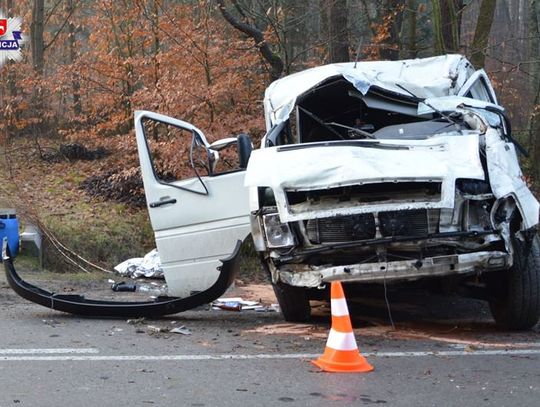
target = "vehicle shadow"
x: 419, y: 314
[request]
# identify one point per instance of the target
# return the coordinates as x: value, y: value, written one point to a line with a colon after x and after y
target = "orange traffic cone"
x: 341, y: 353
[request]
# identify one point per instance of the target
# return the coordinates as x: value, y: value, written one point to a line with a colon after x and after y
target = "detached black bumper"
x: 79, y: 305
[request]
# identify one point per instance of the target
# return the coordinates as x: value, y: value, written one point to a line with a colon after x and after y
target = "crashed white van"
x: 393, y: 171
x: 370, y: 173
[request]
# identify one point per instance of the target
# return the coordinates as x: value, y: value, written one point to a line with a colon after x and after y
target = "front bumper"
x: 302, y: 275
x: 79, y: 305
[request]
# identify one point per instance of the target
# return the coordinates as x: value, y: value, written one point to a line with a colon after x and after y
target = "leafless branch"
x: 257, y: 35
x: 66, y: 20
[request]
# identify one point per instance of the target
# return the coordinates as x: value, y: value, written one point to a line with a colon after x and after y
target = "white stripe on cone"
x: 339, y: 307
x: 341, y: 340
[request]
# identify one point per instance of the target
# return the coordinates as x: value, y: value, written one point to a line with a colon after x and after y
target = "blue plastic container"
x: 9, y: 227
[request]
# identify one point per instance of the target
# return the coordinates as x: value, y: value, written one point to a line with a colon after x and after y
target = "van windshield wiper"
x: 321, y: 122
x: 448, y: 118
x: 354, y: 129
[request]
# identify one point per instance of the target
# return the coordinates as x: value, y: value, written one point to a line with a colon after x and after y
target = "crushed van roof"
x: 425, y: 78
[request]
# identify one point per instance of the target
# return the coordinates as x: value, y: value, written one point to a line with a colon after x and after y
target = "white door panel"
x: 193, y: 246
x: 193, y: 231
x: 227, y: 189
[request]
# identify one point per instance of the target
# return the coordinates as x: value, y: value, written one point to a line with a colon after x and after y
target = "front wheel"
x: 293, y: 301
x: 514, y: 294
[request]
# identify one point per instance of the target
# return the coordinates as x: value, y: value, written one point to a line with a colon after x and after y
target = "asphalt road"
x: 442, y: 352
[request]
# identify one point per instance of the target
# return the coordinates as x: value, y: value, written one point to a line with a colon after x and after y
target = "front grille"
x: 415, y: 222
x: 341, y: 229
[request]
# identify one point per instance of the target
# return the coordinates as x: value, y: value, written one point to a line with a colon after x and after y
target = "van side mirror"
x: 245, y: 147
x: 222, y: 143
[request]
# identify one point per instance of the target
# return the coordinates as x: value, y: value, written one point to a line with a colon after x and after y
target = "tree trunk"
x: 339, y: 34
x: 10, y: 72
x: 412, y: 48
x: 75, y: 84
x: 300, y: 33
x: 481, y: 34
x: 36, y: 36
x: 390, y: 50
x: 156, y: 46
x: 438, y: 40
x: 533, y: 125
x: 446, y: 25
x: 38, y: 62
x: 451, y: 24
x: 323, y: 15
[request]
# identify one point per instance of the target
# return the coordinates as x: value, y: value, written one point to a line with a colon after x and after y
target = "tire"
x: 293, y: 301
x: 514, y: 295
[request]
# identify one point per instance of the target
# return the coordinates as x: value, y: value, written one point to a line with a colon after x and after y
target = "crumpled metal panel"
x: 507, y: 179
x: 427, y: 77
x: 313, y: 276
x: 442, y: 159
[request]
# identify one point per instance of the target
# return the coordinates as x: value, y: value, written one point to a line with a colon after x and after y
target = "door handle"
x: 163, y: 202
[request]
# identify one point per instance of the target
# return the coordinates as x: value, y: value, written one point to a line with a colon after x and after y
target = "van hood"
x: 320, y: 166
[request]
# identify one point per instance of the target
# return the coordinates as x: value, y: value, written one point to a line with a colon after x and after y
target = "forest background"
x: 66, y: 110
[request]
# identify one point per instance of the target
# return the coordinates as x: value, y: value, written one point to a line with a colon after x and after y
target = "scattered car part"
x: 124, y: 287
x: 78, y: 304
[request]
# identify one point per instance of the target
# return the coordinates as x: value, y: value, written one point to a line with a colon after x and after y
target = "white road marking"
x: 488, y: 352
x: 505, y: 345
x: 47, y: 351
x: 154, y: 358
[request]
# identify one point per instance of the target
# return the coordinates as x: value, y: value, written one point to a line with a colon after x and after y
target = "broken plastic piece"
x: 238, y: 304
x: 78, y: 304
x: 230, y: 306
x: 124, y: 287
x: 182, y: 330
x: 136, y: 321
x: 155, y: 329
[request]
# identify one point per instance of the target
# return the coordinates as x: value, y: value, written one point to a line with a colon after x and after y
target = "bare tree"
x: 446, y: 25
x: 481, y: 34
x: 393, y: 10
x: 338, y: 43
x: 410, y: 25
x: 243, y: 25
x: 36, y: 35
x: 12, y: 88
x: 75, y: 84
x: 533, y: 125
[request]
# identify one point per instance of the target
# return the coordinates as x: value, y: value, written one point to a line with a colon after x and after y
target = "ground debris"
x: 75, y: 151
x: 136, y: 321
x: 124, y: 187
x: 239, y: 304
x: 51, y: 322
x: 152, y: 329
x: 182, y: 330
x: 148, y: 266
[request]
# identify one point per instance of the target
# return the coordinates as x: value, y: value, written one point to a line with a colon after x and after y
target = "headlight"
x: 277, y: 234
